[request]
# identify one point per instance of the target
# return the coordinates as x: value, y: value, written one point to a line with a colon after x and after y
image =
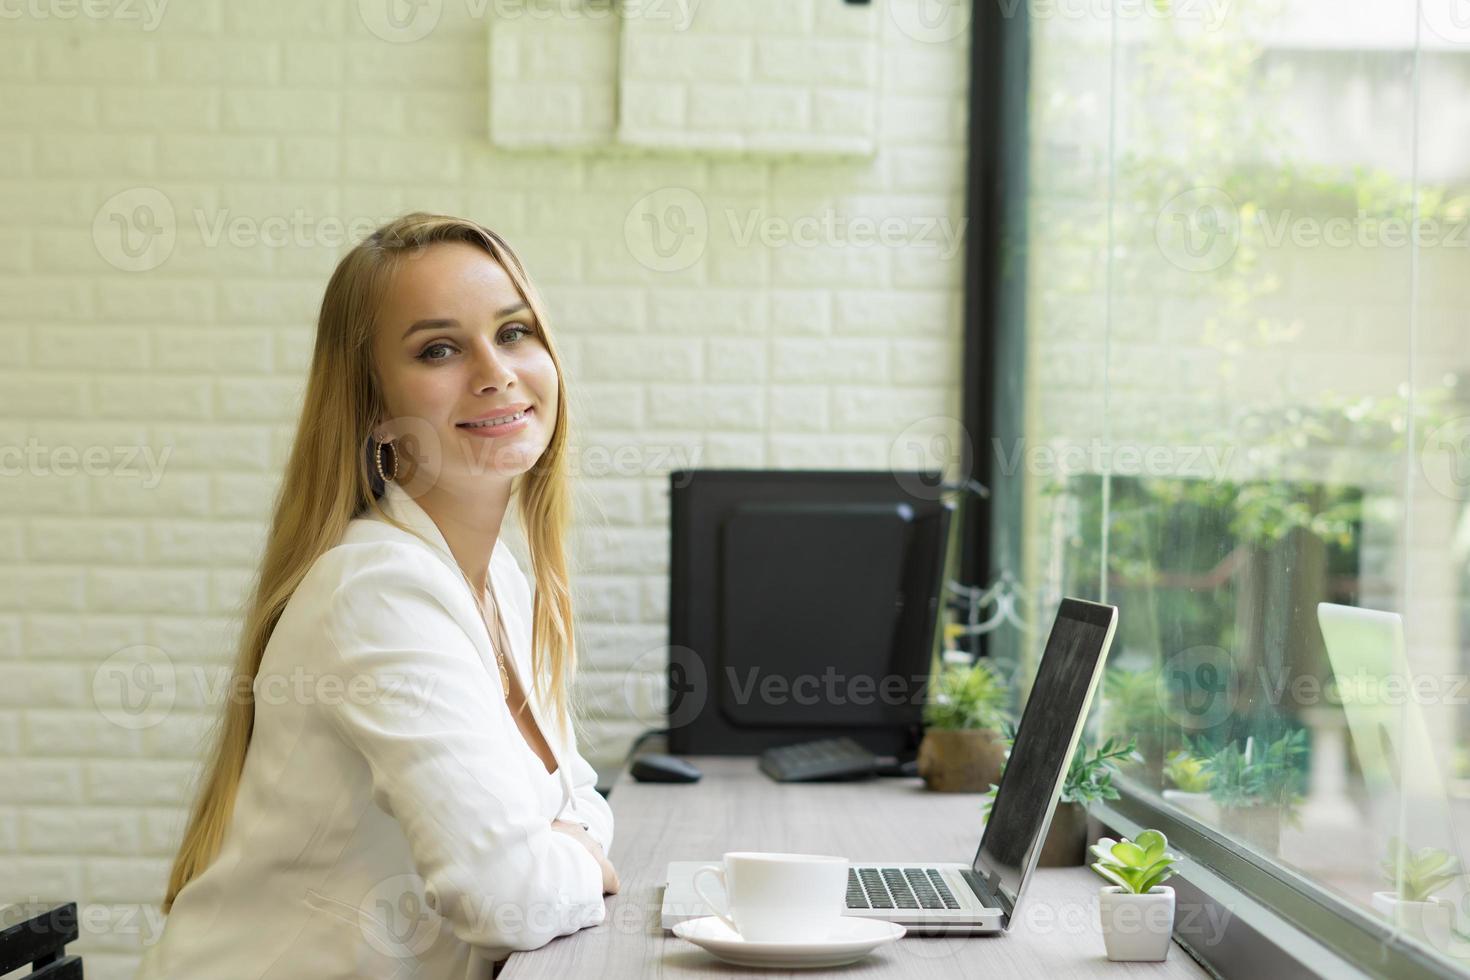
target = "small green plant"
x: 1090, y: 774
x: 1244, y: 775
x: 1137, y: 865
x: 1416, y: 875
x: 967, y: 697
x: 1131, y: 702
x: 1187, y: 772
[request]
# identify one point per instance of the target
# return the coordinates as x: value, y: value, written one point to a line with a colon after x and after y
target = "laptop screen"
x: 1050, y: 727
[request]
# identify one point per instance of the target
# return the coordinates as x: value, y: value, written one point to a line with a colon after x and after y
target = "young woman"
x: 397, y: 791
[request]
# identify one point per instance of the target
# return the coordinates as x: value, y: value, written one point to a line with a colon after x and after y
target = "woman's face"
x: 458, y: 351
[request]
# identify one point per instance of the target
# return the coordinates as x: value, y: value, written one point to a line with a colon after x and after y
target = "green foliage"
x: 1416, y: 875
x: 968, y: 697
x: 1136, y: 865
x: 1089, y: 775
x: 1243, y: 775
x: 1131, y: 702
x: 1187, y: 772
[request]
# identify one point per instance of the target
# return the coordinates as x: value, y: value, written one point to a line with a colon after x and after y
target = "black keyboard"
x: 898, y: 888
x: 828, y: 758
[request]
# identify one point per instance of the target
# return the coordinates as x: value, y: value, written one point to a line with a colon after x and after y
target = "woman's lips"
x: 496, y: 431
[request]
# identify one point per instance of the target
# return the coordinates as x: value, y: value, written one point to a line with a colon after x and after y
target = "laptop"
x: 982, y: 895
x: 1369, y: 664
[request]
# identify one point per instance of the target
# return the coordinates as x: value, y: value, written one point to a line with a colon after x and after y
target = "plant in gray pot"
x: 1258, y: 789
x: 963, y: 750
x: 1414, y: 877
x: 1135, y: 907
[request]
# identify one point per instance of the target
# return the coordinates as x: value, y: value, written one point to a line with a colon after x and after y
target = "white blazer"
x: 391, y: 820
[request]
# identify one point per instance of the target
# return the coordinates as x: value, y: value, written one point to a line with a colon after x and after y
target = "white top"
x: 391, y: 821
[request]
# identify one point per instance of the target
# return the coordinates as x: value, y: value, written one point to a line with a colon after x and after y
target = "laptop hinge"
x: 982, y: 891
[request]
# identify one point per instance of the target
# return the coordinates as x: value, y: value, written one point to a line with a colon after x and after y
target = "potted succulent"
x: 963, y: 750
x: 1257, y: 790
x: 1089, y: 779
x: 1191, y: 781
x: 1136, y: 908
x: 1414, y: 877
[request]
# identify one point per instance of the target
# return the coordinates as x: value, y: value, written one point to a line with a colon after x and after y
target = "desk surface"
x: 736, y: 807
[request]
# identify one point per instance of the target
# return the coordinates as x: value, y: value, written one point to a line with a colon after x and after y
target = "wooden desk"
x: 736, y: 807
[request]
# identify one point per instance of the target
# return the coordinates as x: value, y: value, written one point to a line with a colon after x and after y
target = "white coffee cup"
x: 778, y: 897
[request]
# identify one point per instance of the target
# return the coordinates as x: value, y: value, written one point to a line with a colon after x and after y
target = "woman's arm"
x: 587, y: 806
x: 441, y: 755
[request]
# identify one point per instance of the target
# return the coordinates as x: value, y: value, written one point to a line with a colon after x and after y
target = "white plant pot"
x: 1136, y: 928
x: 1198, y: 804
x: 1427, y: 921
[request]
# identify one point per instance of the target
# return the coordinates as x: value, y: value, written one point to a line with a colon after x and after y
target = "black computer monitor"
x: 802, y: 605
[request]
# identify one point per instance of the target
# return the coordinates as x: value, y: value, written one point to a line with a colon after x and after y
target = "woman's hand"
x: 609, y: 873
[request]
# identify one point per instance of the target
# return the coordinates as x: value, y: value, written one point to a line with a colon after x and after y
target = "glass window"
x: 1247, y: 421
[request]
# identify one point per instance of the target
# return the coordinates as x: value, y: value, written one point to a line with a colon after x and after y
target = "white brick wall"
x: 265, y: 128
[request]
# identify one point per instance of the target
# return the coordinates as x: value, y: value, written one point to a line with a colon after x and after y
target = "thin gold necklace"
x: 499, y: 632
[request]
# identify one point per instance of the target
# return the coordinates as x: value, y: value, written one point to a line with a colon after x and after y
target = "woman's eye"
x: 424, y: 355
x: 518, y: 328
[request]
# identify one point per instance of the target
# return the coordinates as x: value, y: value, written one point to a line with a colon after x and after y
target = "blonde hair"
x: 331, y: 479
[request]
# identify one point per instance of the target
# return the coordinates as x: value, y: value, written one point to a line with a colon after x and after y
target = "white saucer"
x: 849, y: 941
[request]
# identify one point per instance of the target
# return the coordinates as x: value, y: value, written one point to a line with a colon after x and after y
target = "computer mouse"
x: 656, y: 768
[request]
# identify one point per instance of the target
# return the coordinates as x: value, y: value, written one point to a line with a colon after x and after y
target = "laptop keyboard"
x: 898, y: 888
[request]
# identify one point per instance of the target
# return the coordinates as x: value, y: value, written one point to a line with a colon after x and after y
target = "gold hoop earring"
x: 378, y: 458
